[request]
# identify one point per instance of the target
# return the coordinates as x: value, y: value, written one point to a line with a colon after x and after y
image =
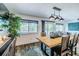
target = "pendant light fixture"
x: 51, y: 17
x: 54, y: 16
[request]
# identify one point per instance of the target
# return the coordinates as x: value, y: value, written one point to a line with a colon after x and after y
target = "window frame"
x: 48, y: 26
x: 28, y: 22
x: 59, y: 25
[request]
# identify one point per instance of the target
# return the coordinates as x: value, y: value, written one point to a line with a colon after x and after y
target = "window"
x: 3, y: 31
x: 24, y: 27
x: 59, y: 27
x: 2, y: 22
x: 29, y: 26
x: 49, y: 27
x: 33, y: 27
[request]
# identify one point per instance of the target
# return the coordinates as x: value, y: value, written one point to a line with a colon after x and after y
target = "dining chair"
x: 62, y: 49
x: 43, y: 34
x: 73, y: 44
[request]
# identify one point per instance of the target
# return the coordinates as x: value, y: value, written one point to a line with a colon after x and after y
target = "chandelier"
x: 54, y: 16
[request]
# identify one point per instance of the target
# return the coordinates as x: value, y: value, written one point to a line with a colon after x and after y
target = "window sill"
x: 29, y: 33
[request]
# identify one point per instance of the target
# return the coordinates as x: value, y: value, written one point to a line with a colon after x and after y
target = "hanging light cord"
x: 54, y: 12
x: 59, y: 13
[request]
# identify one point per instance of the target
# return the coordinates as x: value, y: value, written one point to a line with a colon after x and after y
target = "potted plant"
x: 12, y: 23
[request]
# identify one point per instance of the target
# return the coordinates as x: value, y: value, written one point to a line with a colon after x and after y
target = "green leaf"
x: 14, y: 23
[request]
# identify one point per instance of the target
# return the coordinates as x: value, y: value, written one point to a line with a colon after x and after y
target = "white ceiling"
x: 69, y: 10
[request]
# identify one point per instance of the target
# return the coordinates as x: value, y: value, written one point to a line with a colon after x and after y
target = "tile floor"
x: 29, y: 50
x: 32, y: 50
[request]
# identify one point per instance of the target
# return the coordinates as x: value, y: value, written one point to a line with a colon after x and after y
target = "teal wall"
x: 73, y: 26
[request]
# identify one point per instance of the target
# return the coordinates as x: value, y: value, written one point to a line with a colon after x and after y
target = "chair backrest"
x: 75, y: 39
x: 65, y: 42
x: 43, y: 34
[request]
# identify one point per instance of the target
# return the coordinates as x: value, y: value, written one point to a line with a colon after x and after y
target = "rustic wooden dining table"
x: 50, y: 43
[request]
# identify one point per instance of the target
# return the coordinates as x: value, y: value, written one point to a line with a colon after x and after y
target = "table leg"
x: 52, y: 52
x: 41, y: 46
x: 44, y: 50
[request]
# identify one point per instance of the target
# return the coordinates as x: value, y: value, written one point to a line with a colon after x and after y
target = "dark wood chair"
x: 63, y: 48
x: 73, y: 44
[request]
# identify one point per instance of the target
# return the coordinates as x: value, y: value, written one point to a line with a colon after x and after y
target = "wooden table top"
x: 26, y: 39
x: 51, y: 42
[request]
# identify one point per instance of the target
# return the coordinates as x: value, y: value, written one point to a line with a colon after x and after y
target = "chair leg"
x: 66, y: 54
x: 71, y: 51
x: 75, y: 50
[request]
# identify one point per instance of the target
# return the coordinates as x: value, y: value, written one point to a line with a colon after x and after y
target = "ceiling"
x: 69, y: 10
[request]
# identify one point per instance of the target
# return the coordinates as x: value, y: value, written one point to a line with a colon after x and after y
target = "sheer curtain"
x: 59, y: 27
x: 29, y: 26
x: 49, y: 27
